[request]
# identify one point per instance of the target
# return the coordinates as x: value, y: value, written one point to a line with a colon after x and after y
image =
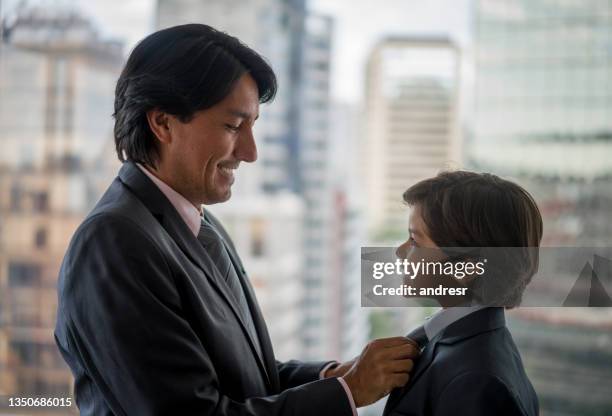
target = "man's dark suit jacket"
x: 471, y: 368
x: 149, y: 327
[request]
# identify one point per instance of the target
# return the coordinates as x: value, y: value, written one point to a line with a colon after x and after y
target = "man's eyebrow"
x: 241, y: 114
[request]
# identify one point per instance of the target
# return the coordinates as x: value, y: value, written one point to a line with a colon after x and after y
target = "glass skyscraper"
x: 542, y: 116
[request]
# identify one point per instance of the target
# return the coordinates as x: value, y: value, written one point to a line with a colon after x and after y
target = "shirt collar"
x: 188, y: 212
x: 444, y: 317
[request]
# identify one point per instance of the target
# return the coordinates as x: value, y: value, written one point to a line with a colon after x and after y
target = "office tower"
x: 268, y: 237
x: 57, y: 79
x: 292, y: 136
x: 543, y: 99
x: 273, y: 28
x: 262, y: 198
x: 347, y: 319
x: 324, y: 232
x: 412, y: 101
x: 350, y: 320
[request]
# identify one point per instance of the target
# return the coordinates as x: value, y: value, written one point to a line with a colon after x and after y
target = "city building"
x: 57, y: 79
x: 412, y: 107
x: 542, y: 105
x: 274, y: 29
x: 321, y: 305
x: 263, y: 197
x: 542, y: 100
x: 349, y: 319
x: 268, y: 237
x: 293, y: 142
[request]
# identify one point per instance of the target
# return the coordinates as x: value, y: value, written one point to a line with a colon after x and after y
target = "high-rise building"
x: 273, y: 28
x: 543, y: 99
x: 262, y: 199
x: 349, y: 320
x: 412, y: 99
x: 325, y: 220
x: 273, y: 260
x: 57, y: 79
x: 293, y: 140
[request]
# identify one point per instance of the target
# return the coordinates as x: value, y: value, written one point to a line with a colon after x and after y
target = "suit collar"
x: 475, y: 323
x: 484, y: 320
x: 161, y: 208
x: 191, y: 215
x: 445, y: 317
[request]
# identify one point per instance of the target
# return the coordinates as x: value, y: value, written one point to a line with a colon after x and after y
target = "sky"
x: 358, y: 24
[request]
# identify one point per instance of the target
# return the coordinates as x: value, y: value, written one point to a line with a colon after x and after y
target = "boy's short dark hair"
x: 468, y: 209
x: 180, y: 70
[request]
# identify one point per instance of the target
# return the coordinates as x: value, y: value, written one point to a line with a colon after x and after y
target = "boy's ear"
x: 468, y: 278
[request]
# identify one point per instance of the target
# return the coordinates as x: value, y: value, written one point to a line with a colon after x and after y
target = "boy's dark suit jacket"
x: 149, y: 327
x: 471, y: 368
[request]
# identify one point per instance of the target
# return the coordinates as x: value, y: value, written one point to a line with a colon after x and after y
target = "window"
x: 257, y: 237
x: 40, y: 238
x: 40, y: 201
x: 23, y: 274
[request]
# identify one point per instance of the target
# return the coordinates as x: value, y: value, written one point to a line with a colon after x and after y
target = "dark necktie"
x: 212, y: 241
x: 419, y: 336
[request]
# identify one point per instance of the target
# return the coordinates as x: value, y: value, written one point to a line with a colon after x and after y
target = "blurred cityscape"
x: 526, y: 95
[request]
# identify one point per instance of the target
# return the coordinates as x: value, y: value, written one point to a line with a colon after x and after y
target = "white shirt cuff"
x: 349, y: 395
x: 327, y: 367
x: 342, y: 383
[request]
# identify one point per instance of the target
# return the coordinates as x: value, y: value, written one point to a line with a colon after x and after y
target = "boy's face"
x: 421, y: 248
x: 419, y: 245
x: 418, y: 235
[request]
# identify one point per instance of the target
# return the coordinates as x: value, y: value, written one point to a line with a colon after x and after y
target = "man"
x: 469, y: 364
x: 156, y: 314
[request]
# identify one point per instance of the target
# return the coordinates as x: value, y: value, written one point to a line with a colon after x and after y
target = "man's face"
x: 200, y: 158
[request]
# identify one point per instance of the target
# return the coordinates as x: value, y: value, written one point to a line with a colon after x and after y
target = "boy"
x: 469, y: 363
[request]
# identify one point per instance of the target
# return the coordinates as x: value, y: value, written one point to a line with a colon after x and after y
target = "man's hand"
x: 383, y: 365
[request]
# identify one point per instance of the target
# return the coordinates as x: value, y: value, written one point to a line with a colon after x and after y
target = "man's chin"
x: 218, y: 197
x: 222, y: 197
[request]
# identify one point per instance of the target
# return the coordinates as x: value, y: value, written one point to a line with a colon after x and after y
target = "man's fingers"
x: 399, y: 352
x: 413, y: 342
x: 401, y: 366
x: 391, y: 342
x: 398, y: 380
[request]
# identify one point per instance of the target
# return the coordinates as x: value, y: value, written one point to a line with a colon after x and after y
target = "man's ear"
x: 159, y: 123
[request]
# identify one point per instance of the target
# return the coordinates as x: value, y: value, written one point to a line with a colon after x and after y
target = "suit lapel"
x: 422, y: 364
x: 258, y: 320
x: 178, y: 231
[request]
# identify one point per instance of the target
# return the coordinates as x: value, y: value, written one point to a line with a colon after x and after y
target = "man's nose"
x: 246, y: 149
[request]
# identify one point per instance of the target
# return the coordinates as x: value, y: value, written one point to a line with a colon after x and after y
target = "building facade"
x: 57, y: 79
x: 293, y: 141
x: 412, y: 100
x: 542, y: 105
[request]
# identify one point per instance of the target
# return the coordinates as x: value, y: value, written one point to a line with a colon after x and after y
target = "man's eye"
x: 232, y: 128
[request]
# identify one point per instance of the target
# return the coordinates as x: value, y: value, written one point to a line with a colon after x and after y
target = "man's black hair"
x: 180, y: 70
